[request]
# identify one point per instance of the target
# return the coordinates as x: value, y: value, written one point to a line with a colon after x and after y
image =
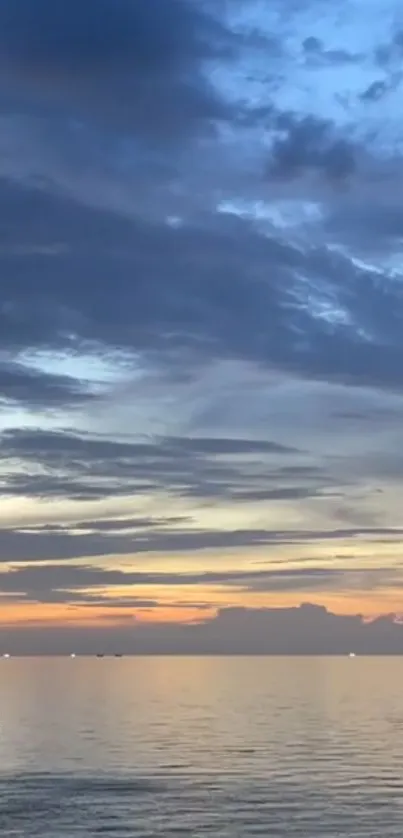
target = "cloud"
x: 209, y: 445
x: 128, y: 65
x: 81, y: 583
x: 375, y: 91
x: 308, y: 145
x: 390, y: 53
x: 85, y: 466
x: 22, y: 385
x: 305, y: 630
x: 20, y: 546
x: 284, y: 493
x: 308, y: 629
x: 200, y: 305
x: 114, y: 525
x: 44, y: 543
x: 209, y: 291
x: 318, y: 55
x: 373, y: 230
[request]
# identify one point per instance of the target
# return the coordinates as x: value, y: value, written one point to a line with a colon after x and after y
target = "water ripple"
x: 217, y: 748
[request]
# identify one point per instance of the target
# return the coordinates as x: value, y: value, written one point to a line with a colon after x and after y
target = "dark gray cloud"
x: 308, y: 144
x: 375, y: 91
x: 211, y: 445
x: 51, y: 447
x: 114, y: 525
x: 306, y: 630
x: 39, y: 545
x: 372, y: 228
x: 215, y: 289
x: 284, y: 493
x: 317, y: 54
x: 224, y: 485
x: 47, y: 543
x: 391, y: 52
x: 76, y: 583
x: 63, y: 464
x: 374, y: 416
x: 31, y: 388
x: 136, y: 66
x: 212, y: 289
x: 50, y: 444
x: 82, y: 601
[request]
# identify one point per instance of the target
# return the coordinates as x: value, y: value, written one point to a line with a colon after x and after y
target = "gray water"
x: 201, y: 747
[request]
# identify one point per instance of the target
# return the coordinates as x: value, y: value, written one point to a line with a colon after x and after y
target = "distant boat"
x: 72, y: 655
x: 118, y: 655
x: 6, y: 655
x: 352, y: 655
x: 100, y: 655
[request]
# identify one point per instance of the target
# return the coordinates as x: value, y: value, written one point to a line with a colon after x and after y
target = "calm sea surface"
x: 201, y: 747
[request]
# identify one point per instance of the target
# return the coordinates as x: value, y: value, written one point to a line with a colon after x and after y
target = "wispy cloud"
x: 201, y: 297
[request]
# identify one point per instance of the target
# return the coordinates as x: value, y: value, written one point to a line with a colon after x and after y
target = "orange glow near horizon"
x: 38, y: 614
x: 181, y: 610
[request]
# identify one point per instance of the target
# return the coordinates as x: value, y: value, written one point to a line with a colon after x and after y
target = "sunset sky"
x: 201, y: 318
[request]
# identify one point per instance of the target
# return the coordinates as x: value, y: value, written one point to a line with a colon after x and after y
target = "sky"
x: 201, y: 325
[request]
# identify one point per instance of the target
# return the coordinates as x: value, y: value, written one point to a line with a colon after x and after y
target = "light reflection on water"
x: 201, y: 746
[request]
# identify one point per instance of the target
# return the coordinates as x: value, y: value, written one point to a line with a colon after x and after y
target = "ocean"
x: 218, y: 747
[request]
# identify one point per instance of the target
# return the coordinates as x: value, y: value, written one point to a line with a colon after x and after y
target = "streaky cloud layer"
x: 201, y: 310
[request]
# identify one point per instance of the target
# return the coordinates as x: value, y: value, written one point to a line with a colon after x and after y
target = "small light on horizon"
x: 6, y: 655
x: 72, y: 655
x: 352, y: 655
